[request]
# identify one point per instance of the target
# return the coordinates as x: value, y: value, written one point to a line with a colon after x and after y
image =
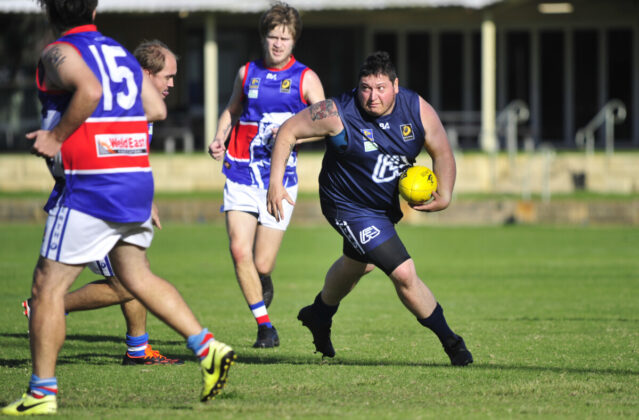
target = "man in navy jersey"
x: 96, y: 104
x: 265, y: 94
x: 373, y: 134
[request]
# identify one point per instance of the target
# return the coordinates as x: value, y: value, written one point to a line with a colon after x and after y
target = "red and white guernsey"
x: 270, y: 97
x: 106, y: 160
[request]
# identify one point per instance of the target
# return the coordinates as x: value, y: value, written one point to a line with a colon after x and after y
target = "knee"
x: 404, y: 276
x: 45, y: 286
x: 240, y: 253
x: 119, y: 289
x: 264, y: 266
x: 369, y: 268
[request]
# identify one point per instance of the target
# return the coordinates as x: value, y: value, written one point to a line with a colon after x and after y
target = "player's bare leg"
x: 97, y: 294
x: 157, y: 295
x: 47, y: 324
x: 418, y: 298
x: 267, y: 245
x: 242, y: 228
x: 135, y: 317
x: 412, y: 291
x: 108, y: 292
x: 164, y: 301
x: 341, y: 278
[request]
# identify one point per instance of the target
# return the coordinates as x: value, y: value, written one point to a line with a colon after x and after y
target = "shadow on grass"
x: 99, y: 358
x: 111, y: 359
x: 272, y: 359
x: 97, y: 338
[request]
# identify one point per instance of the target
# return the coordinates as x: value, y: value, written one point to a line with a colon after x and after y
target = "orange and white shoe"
x: 26, y: 308
x: 151, y: 357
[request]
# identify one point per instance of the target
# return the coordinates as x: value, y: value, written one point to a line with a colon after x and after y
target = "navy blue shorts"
x: 371, y: 239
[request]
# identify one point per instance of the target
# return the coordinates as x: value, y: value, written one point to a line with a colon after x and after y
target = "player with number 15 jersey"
x: 106, y: 164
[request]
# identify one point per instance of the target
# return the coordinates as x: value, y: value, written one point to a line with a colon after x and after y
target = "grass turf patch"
x: 550, y: 314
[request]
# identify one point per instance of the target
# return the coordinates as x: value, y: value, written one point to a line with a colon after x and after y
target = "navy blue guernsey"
x: 360, y: 177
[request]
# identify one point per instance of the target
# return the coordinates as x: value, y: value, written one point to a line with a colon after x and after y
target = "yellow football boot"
x: 215, y: 368
x: 29, y: 406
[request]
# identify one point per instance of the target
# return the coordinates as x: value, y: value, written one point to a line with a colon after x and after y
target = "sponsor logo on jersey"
x: 109, y: 145
x: 368, y: 234
x: 254, y: 86
x: 389, y: 167
x: 407, y: 132
x: 271, y: 76
x: 369, y: 141
x: 285, y: 86
x: 384, y: 126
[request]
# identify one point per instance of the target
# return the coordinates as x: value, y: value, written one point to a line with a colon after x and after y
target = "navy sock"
x: 324, y: 310
x: 437, y: 324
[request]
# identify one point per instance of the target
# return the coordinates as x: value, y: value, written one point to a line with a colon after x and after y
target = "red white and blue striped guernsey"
x: 270, y: 97
x: 106, y: 160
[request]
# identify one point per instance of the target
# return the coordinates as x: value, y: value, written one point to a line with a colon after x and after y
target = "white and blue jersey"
x: 269, y: 97
x: 106, y: 166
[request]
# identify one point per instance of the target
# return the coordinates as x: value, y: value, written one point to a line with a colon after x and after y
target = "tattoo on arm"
x: 55, y: 57
x: 324, y: 109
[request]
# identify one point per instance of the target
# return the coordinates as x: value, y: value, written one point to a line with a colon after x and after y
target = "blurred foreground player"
x: 96, y: 103
x: 160, y: 65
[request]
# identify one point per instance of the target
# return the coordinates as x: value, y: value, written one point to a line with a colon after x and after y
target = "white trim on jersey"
x: 104, y: 171
x: 237, y: 160
x: 115, y: 119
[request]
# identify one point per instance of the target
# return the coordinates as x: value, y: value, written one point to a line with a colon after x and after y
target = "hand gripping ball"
x: 416, y: 184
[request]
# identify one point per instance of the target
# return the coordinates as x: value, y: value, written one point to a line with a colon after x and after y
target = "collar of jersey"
x: 82, y: 28
x: 287, y: 66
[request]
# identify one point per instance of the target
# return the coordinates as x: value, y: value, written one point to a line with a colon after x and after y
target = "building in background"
x: 562, y: 62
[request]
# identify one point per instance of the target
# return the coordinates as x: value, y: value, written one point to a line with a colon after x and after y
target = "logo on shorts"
x: 367, y: 234
x: 407, y: 132
x: 285, y: 86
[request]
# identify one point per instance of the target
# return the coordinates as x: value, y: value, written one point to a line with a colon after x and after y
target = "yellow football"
x: 416, y: 184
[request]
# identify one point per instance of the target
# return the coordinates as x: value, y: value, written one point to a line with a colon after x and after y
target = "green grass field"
x: 551, y: 316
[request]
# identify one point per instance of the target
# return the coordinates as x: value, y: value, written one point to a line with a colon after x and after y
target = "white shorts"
x: 102, y: 267
x: 253, y: 200
x: 73, y: 237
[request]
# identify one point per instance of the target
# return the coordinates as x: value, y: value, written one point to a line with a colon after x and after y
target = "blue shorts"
x: 371, y: 239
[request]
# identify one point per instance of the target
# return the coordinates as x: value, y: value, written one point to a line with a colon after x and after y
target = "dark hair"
x: 151, y: 55
x: 281, y: 13
x: 378, y: 62
x: 66, y: 14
